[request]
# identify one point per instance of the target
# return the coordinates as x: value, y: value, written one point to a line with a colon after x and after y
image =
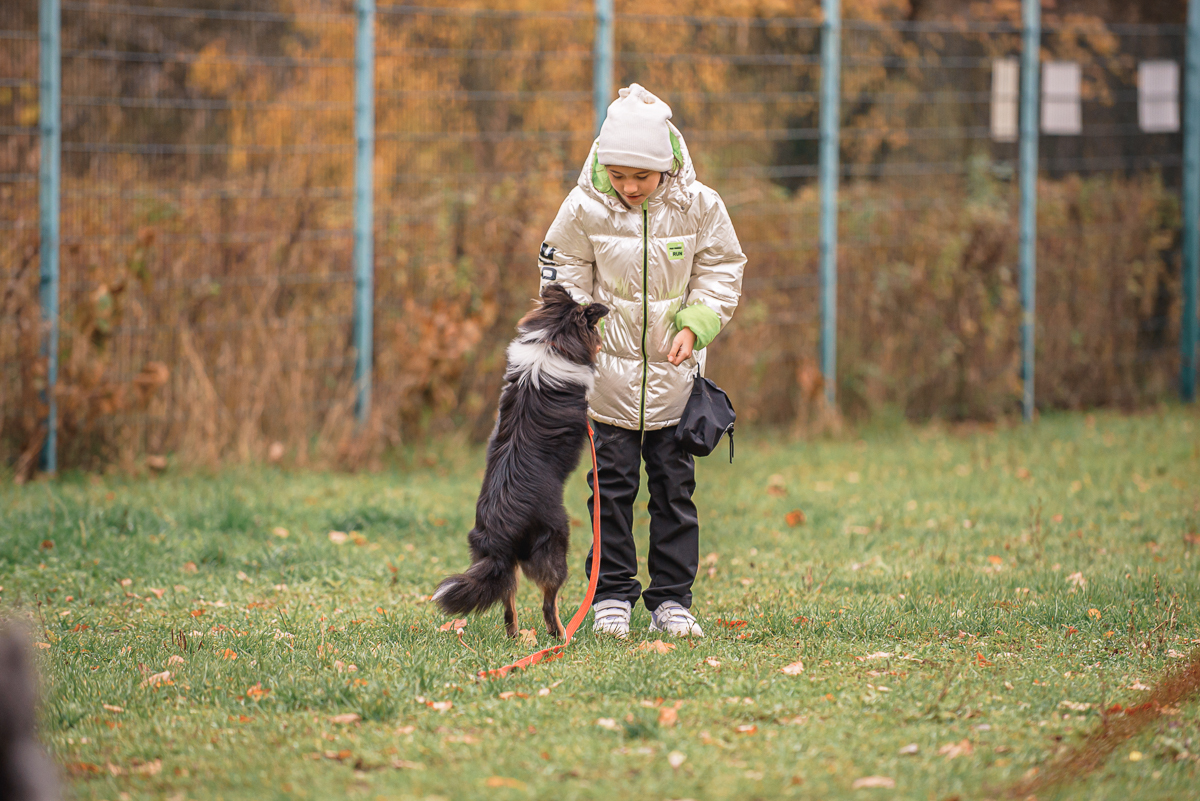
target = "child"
x: 642, y: 236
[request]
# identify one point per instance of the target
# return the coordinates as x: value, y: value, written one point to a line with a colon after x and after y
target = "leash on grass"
x: 555, y: 651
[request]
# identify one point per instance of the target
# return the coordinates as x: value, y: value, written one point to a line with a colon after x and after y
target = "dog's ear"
x: 594, y: 311
x: 555, y: 293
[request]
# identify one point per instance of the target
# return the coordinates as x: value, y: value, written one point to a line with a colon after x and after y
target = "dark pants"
x: 674, y: 527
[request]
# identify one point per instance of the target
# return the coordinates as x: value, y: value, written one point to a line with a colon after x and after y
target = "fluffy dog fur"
x: 540, y: 432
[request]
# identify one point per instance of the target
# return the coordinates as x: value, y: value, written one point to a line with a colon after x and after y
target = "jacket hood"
x: 676, y: 190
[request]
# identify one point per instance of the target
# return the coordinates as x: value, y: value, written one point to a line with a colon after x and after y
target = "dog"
x: 540, y: 431
x: 26, y: 772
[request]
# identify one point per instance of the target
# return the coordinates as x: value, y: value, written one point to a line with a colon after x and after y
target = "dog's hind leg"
x: 510, y: 611
x: 547, y: 567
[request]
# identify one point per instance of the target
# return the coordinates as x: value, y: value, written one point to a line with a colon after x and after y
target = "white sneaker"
x: 612, y: 617
x: 672, y: 618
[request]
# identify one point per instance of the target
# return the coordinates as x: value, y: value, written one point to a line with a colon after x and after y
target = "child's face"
x: 634, y: 184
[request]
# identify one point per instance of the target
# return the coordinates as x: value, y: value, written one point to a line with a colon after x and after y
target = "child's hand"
x: 681, y: 348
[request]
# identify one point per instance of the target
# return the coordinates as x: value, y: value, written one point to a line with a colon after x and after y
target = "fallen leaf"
x: 1094, y: 614
x: 796, y: 517
x: 113, y: 708
x: 876, y: 655
x: 505, y: 781
x: 404, y: 764
x: 229, y: 654
x: 280, y: 531
x: 175, y: 659
x: 668, y: 717
x: 712, y: 662
x: 1075, y: 706
x: 348, y: 717
x: 157, y: 679
x: 453, y: 624
x: 337, y: 537
x: 257, y: 691
x: 441, y: 706
x: 1135, y: 756
x: 981, y: 661
x: 543, y: 692
x: 953, y: 750
x: 125, y: 582
x: 152, y: 768
x: 42, y: 645
x: 607, y: 723
x: 794, y: 669
x: 910, y: 749
x: 406, y: 729
x: 676, y: 758
x: 529, y: 637
x: 732, y: 624
x: 873, y: 781
x: 189, y: 567
x: 197, y: 612
x: 1077, y: 580
x: 996, y: 560
x: 658, y: 647
x: 746, y: 728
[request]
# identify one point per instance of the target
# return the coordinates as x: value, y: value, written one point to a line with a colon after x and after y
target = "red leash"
x: 555, y: 651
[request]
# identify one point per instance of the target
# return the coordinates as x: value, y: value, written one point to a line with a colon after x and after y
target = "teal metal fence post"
x: 602, y: 61
x: 364, y: 250
x: 1191, y: 206
x: 830, y: 122
x: 49, y: 205
x: 1031, y: 13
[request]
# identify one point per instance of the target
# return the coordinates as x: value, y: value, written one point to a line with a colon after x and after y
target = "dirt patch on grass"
x: 1117, y: 725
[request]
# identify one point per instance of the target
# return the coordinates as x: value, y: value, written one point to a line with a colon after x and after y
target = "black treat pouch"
x: 707, y: 416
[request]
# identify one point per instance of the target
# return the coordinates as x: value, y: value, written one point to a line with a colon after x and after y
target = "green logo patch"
x: 675, y: 250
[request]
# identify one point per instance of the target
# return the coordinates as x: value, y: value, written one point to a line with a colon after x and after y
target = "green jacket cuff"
x: 704, y: 322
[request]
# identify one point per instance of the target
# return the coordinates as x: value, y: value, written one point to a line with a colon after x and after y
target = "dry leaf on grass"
x: 746, y: 728
x: 876, y: 655
x: 953, y: 750
x: 457, y: 624
x: 156, y: 679
x: 505, y: 781
x: 796, y: 517
x: 657, y: 647
x: 113, y: 708
x: 668, y: 716
x: 676, y: 758
x: 338, y: 537
x: 175, y: 659
x: 884, y: 782
x: 404, y: 764
x: 348, y: 717
x: 712, y: 662
x: 607, y: 723
x: 280, y: 531
x: 529, y: 637
x: 794, y: 669
x: 157, y: 592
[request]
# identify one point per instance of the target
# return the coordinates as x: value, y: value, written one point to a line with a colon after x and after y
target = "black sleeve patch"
x: 546, y: 255
x: 549, y: 273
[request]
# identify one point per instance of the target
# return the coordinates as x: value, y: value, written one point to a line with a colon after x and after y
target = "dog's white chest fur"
x: 535, y: 360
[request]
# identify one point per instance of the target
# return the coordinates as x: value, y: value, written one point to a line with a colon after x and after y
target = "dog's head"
x: 568, y: 326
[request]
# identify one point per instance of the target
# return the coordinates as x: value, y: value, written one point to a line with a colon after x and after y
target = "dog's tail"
x: 486, y: 582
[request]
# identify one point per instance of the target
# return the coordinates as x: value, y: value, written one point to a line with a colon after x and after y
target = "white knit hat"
x: 635, y: 132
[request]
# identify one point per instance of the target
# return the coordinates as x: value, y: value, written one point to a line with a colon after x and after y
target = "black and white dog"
x: 540, y: 432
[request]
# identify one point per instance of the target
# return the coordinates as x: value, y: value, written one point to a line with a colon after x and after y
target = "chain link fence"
x: 207, y: 283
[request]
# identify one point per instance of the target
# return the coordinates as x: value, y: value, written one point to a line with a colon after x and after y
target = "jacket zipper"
x: 645, y: 308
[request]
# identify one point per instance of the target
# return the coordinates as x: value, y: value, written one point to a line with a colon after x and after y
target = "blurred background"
x: 207, y: 211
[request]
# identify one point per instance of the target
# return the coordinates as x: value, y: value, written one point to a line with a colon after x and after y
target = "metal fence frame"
x: 49, y: 182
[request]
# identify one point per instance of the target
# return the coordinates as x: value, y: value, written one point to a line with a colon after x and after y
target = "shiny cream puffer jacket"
x: 671, y: 263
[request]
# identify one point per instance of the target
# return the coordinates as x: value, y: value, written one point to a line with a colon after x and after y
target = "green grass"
x: 985, y: 632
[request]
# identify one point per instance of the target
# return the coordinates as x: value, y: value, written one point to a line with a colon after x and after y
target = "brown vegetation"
x: 207, y: 294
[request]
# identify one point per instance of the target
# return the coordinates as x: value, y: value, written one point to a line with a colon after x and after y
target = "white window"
x: 1061, y: 109
x: 1158, y: 96
x: 1005, y: 75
